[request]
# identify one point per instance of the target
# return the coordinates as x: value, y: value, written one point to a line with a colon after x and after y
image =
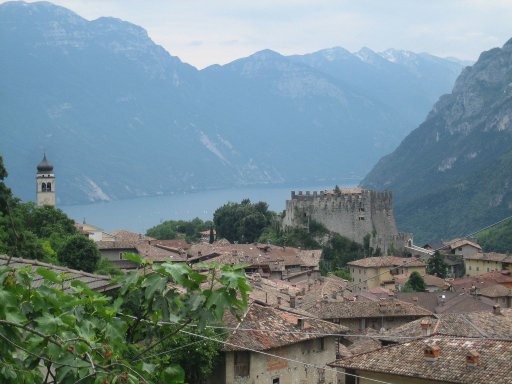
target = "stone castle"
x: 353, y: 213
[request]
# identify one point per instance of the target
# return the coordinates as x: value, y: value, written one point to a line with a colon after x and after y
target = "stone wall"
x: 353, y: 213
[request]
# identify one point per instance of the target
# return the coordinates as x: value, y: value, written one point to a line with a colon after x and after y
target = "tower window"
x: 48, y: 187
x: 43, y: 187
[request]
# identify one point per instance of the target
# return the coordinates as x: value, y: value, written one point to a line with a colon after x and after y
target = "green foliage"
x: 77, y: 335
x: 80, y: 253
x: 105, y: 267
x: 343, y: 273
x: 244, y: 222
x: 415, y: 283
x: 437, y: 266
x: 497, y: 239
x: 173, y: 229
x: 29, y: 231
x: 338, y: 252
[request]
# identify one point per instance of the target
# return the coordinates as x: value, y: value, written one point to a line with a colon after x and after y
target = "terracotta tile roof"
x: 253, y: 330
x: 450, y: 366
x: 277, y: 258
x: 482, y: 281
x: 95, y: 282
x: 456, y: 243
x: 365, y: 309
x: 387, y: 261
x: 123, y: 235
x: 156, y: 252
x: 496, y: 290
x: 490, y: 256
x: 474, y: 324
x: 175, y: 244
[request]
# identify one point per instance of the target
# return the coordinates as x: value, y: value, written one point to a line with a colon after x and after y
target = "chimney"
x: 425, y: 327
x: 431, y: 353
x: 300, y: 323
x: 472, y: 359
x: 292, y: 301
x: 496, y: 309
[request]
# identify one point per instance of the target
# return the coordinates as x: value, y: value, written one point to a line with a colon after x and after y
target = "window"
x: 48, y: 187
x: 477, y: 268
x: 243, y: 363
x: 43, y: 187
x: 275, y: 380
x: 321, y: 344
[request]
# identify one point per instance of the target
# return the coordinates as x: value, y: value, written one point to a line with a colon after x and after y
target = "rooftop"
x: 387, y: 261
x: 263, y: 327
x: 365, y: 309
x: 450, y: 366
x: 457, y: 243
x: 95, y: 282
x: 474, y: 324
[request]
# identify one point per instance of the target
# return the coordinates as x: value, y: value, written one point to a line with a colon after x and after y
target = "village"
x: 302, y: 326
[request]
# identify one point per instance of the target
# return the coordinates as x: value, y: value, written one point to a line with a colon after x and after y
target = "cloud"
x: 203, y: 32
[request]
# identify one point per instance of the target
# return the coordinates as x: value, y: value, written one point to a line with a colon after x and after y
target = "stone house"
x: 270, y: 261
x: 362, y: 315
x: 373, y: 272
x: 463, y: 247
x: 429, y: 360
x: 271, y: 345
x: 496, y: 324
x: 481, y: 262
x: 123, y: 242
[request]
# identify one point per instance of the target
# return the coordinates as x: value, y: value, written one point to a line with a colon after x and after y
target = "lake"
x: 140, y: 214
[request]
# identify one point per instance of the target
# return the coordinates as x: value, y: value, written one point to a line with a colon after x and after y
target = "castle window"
x: 48, y: 187
x: 43, y: 187
x: 361, y: 218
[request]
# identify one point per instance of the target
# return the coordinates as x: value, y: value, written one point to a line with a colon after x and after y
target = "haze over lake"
x: 140, y: 214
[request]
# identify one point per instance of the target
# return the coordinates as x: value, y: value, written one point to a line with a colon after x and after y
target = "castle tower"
x: 45, y: 182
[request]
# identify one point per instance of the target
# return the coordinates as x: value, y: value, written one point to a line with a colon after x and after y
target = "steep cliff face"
x: 453, y: 174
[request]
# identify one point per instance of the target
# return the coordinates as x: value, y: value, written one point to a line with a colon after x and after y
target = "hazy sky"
x: 204, y: 32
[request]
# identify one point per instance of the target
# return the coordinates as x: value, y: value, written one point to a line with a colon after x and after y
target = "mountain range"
x: 120, y: 117
x: 452, y: 175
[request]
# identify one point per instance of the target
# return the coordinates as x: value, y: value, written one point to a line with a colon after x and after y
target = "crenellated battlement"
x: 351, y: 212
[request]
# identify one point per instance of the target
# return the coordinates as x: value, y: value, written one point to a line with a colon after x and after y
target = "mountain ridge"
x: 454, y: 169
x: 120, y: 117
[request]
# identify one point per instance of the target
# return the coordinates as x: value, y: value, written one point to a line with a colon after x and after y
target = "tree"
x: 242, y: 222
x: 79, y: 253
x: 172, y: 229
x: 437, y: 266
x: 71, y: 334
x: 415, y: 283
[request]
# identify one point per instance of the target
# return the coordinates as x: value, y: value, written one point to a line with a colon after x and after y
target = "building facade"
x: 373, y: 272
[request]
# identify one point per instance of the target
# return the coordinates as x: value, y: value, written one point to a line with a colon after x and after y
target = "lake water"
x: 138, y: 215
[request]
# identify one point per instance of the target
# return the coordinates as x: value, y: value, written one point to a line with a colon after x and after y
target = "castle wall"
x: 353, y: 213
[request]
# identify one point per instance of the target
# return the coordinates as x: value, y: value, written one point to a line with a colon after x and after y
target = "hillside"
x: 120, y: 117
x: 453, y: 174
x: 497, y: 239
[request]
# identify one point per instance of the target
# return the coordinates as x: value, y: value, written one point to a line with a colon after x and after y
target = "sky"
x: 206, y: 32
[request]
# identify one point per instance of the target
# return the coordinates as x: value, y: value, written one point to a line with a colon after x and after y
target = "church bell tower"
x: 45, y: 181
